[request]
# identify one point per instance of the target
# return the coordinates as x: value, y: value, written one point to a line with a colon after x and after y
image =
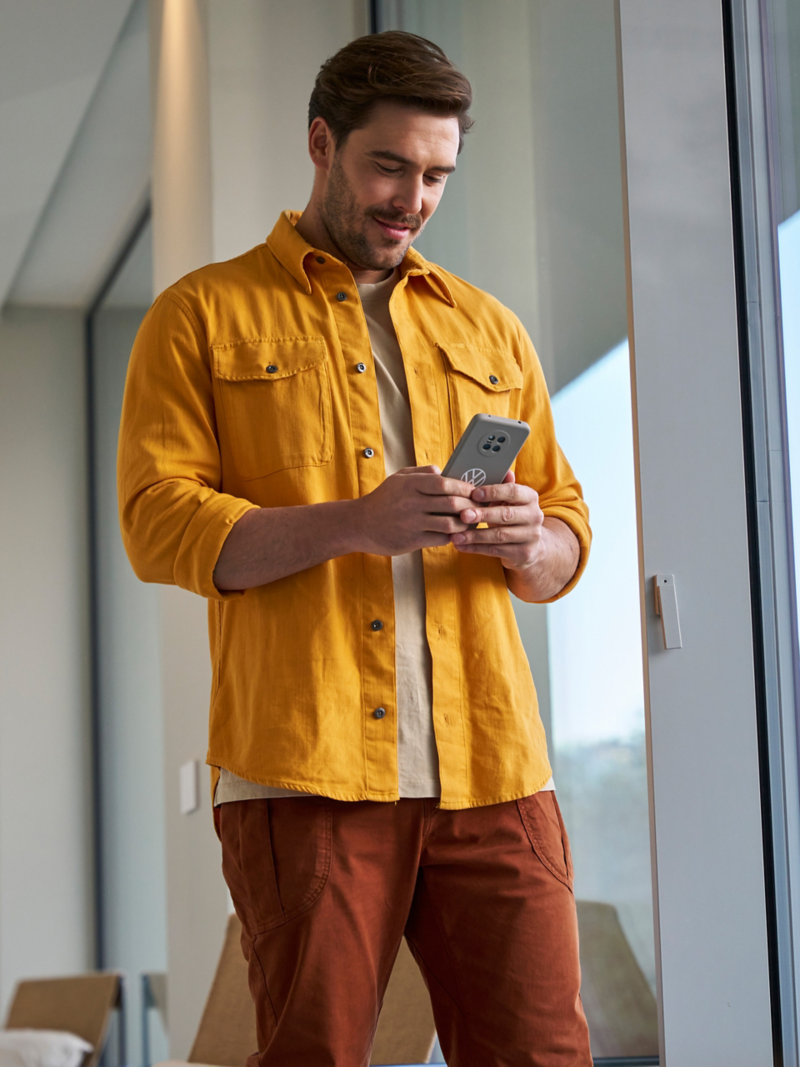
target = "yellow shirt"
x: 244, y: 391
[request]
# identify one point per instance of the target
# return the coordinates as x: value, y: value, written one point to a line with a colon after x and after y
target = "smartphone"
x: 487, y: 448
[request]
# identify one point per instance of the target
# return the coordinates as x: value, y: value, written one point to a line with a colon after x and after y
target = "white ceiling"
x: 74, y: 129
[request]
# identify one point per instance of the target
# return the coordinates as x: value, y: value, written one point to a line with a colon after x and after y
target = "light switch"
x: 666, y: 598
x: 190, y: 793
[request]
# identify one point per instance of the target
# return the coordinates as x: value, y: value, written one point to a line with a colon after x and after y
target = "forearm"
x: 553, y: 568
x: 271, y: 543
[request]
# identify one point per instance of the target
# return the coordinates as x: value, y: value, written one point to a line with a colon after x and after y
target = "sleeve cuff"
x: 202, y: 543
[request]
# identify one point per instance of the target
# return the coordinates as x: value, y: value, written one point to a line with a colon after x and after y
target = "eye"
x: 388, y: 170
x: 435, y: 179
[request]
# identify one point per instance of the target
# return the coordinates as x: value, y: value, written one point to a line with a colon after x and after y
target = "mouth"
x: 395, y: 231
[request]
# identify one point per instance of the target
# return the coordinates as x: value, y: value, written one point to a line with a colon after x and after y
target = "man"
x: 379, y: 765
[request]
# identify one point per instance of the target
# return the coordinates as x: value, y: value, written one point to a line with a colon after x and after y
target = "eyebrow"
x: 394, y: 158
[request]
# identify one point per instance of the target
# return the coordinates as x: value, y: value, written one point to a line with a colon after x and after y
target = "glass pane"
x: 131, y: 795
x: 534, y: 215
x: 784, y: 45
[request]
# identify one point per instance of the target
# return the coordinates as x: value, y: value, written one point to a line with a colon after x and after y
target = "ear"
x: 321, y: 144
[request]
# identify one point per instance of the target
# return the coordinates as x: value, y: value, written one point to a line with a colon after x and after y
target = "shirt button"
x: 320, y: 259
x: 271, y: 368
x: 361, y: 367
x: 369, y: 452
x: 493, y: 379
x: 341, y: 296
x: 376, y: 624
x: 379, y: 713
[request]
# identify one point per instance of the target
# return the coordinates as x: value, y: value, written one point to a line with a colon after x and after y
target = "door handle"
x: 666, y: 599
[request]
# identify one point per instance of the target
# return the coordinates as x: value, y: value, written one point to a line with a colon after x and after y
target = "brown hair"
x: 393, y: 65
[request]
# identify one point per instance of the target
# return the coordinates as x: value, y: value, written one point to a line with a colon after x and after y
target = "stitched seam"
x: 463, y: 1014
x: 538, y: 847
x: 264, y: 978
x: 317, y: 886
x: 433, y: 977
x: 464, y: 372
x: 313, y: 338
x: 187, y: 312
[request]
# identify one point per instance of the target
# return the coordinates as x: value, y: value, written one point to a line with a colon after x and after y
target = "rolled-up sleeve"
x: 173, y: 516
x: 544, y: 467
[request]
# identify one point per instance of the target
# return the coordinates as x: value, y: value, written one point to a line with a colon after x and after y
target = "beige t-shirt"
x: 417, y: 759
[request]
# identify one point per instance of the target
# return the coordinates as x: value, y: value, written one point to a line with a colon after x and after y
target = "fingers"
x: 434, y: 484
x: 502, y: 515
x: 509, y: 492
x: 497, y: 535
x: 448, y: 524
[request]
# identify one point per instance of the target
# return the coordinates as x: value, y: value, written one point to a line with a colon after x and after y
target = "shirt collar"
x: 290, y: 249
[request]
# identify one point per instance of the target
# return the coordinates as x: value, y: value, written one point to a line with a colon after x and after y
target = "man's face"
x: 385, y: 183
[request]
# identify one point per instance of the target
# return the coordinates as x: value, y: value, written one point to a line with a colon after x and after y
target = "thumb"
x: 510, y: 477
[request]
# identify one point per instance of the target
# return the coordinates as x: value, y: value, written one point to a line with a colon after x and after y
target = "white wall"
x: 46, y: 887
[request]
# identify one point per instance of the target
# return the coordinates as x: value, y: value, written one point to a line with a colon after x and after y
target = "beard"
x: 347, y: 225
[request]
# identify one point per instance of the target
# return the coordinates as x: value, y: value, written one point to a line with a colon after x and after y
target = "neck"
x: 312, y: 228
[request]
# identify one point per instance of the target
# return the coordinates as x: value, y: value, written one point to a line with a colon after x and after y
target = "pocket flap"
x: 267, y: 359
x: 484, y: 365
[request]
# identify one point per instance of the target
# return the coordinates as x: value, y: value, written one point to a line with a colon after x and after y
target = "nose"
x: 408, y: 198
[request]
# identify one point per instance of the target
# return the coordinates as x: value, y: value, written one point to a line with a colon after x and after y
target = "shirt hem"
x: 448, y: 804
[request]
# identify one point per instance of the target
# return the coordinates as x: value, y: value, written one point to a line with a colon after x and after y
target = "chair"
x: 619, y: 1004
x: 226, y: 1035
x: 81, y: 1005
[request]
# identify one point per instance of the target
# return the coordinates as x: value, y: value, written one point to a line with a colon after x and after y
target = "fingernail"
x: 458, y: 539
x: 479, y: 494
x: 470, y: 515
x: 436, y: 469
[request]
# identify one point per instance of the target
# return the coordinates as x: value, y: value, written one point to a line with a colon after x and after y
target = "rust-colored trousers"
x: 326, y: 889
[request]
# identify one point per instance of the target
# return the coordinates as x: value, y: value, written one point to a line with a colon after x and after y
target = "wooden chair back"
x: 619, y: 1004
x: 81, y: 1005
x: 226, y: 1035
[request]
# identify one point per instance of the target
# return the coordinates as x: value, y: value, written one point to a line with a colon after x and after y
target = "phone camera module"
x: 492, y: 442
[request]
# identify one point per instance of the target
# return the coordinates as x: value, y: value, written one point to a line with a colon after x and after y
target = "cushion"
x: 41, y: 1048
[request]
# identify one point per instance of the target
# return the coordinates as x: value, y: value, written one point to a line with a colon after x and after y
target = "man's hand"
x: 412, y: 509
x: 540, y: 554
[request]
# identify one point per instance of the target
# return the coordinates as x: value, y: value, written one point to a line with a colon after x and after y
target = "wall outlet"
x: 189, y: 787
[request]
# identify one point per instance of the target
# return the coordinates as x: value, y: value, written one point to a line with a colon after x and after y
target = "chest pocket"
x: 485, y: 380
x: 276, y: 399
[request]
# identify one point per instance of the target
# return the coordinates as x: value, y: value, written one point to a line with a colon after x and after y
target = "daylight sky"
x: 594, y: 634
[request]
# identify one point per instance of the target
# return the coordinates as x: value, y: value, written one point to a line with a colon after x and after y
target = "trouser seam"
x: 257, y: 956
x: 464, y: 1015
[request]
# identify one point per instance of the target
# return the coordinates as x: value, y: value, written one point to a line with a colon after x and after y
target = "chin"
x: 386, y: 259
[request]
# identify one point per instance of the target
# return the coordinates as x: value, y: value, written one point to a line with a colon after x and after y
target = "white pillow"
x: 41, y: 1048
